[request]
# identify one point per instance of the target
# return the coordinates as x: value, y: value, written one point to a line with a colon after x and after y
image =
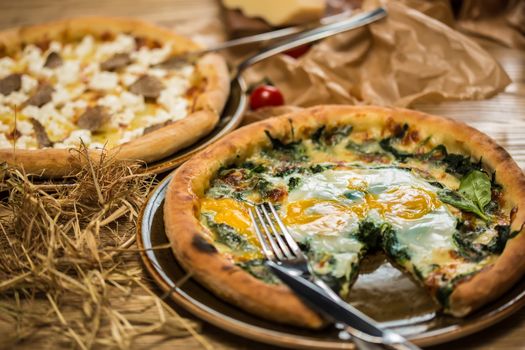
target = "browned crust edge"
x: 192, y: 244
x: 150, y: 147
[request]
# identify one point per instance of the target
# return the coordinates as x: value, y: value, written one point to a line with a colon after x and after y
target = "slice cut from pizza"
x: 106, y: 83
x: 348, y: 181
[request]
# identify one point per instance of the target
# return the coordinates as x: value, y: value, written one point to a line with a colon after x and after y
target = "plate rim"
x: 264, y: 335
x: 174, y: 160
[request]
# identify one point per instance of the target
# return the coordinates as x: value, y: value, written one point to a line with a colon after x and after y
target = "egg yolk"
x: 357, y: 184
x: 234, y: 214
x: 404, y: 202
x: 322, y: 216
x: 408, y: 203
x: 230, y: 212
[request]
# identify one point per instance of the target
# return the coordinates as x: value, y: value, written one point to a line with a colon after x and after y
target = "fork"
x: 280, y: 248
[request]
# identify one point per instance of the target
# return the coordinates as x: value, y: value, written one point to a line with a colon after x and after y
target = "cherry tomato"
x: 298, y: 51
x: 265, y: 95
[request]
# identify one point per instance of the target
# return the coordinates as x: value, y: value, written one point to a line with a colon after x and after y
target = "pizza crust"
x: 150, y: 147
x: 193, y: 245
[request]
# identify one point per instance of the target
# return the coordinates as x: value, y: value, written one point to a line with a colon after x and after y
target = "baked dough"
x: 203, y: 114
x: 193, y: 243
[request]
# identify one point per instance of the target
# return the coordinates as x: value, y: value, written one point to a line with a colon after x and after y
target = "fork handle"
x: 313, y: 35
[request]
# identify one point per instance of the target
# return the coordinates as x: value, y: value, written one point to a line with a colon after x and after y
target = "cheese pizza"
x: 107, y: 83
x: 443, y: 201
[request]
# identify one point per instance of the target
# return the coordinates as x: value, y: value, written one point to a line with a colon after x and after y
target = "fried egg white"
x: 326, y: 208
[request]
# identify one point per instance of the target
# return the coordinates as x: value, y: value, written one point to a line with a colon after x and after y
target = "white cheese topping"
x: 6, y: 66
x: 4, y: 142
x: 60, y: 95
x: 147, y: 57
x: 85, y: 47
x: 28, y: 83
x: 130, y: 135
x: 68, y: 72
x: 104, y: 81
x: 16, y: 98
x: 25, y: 127
x: 78, y: 82
x: 122, y: 44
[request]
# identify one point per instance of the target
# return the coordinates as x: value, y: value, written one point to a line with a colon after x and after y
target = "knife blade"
x: 360, y: 325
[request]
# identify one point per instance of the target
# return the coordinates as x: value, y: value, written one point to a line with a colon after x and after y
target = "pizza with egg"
x: 109, y: 83
x: 443, y: 201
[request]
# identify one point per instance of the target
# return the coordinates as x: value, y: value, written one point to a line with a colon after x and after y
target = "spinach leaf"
x: 319, y: 168
x: 292, y: 151
x: 228, y: 236
x: 293, y: 182
x: 399, y: 155
x: 258, y: 269
x: 391, y: 245
x: 466, y: 235
x: 256, y: 168
x: 459, y: 164
x: 473, y: 195
x: 498, y: 242
x: 370, y: 234
x: 316, y: 136
x: 323, y: 136
x: 386, y: 144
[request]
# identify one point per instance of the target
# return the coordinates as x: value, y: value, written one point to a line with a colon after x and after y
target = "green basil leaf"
x: 459, y: 201
x: 476, y: 187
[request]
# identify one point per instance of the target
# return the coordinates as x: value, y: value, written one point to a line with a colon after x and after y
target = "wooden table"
x: 502, y: 117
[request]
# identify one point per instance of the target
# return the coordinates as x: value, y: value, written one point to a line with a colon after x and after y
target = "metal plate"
x: 381, y: 291
x: 230, y: 119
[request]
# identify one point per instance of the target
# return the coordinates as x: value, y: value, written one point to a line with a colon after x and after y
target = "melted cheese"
x: 129, y: 114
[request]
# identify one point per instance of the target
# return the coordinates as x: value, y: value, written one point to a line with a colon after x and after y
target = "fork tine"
x: 265, y: 247
x: 284, y: 248
x: 275, y: 248
x: 291, y: 242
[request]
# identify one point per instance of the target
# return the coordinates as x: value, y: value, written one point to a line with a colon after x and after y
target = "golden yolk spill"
x: 230, y: 212
x: 298, y: 213
x: 357, y: 184
x: 234, y: 214
x: 409, y: 202
x: 403, y: 202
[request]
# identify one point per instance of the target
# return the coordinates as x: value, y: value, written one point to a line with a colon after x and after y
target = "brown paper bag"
x: 405, y: 58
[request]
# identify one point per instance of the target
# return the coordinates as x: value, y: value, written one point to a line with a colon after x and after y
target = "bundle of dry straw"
x: 69, y: 270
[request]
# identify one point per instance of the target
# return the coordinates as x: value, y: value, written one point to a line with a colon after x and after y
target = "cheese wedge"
x: 278, y: 12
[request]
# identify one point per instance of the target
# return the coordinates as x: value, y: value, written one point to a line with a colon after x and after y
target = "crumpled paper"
x: 500, y: 20
x: 405, y: 58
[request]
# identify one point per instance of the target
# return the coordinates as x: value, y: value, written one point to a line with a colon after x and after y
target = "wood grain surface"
x: 502, y: 117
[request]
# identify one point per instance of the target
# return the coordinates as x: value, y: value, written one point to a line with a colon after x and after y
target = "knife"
x: 359, y: 325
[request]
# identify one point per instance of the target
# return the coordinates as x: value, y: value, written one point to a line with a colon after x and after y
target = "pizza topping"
x: 172, y: 63
x: 117, y: 61
x: 473, y: 196
x: 12, y: 82
x: 120, y: 74
x: 14, y: 134
x: 156, y: 127
x: 53, y: 60
x: 93, y: 118
x: 147, y: 86
x: 104, y: 81
x: 40, y: 133
x: 42, y: 95
x: 436, y: 214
